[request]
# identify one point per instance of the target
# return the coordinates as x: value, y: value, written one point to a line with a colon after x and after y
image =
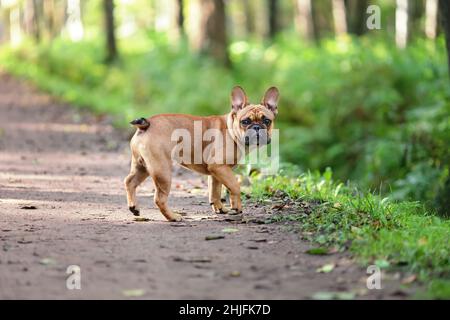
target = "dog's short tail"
x: 141, y: 123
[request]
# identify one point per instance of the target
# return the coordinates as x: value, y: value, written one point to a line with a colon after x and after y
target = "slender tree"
x: 49, y: 18
x: 180, y: 15
x: 431, y: 14
x: 356, y: 17
x: 444, y: 10
x: 211, y: 36
x: 249, y: 17
x: 273, y: 17
x: 111, y: 46
x: 5, y: 25
x: 401, y: 23
x: 339, y: 17
x: 304, y: 19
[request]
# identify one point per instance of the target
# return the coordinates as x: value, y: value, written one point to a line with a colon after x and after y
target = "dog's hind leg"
x: 138, y: 174
x: 162, y: 180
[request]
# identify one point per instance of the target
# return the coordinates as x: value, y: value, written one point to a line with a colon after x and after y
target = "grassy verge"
x: 401, y: 236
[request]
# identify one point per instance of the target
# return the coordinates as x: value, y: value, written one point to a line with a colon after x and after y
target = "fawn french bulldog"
x: 153, y: 149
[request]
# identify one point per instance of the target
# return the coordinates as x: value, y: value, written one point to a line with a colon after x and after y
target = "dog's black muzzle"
x: 256, y: 136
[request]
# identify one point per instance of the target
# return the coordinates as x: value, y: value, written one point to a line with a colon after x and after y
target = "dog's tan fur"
x: 151, y: 150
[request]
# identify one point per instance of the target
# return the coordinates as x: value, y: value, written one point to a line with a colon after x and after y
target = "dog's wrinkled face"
x: 253, y: 123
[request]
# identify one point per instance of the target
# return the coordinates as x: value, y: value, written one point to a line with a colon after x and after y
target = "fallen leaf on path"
x: 193, y: 260
x: 325, y: 295
x: 181, y: 224
x: 318, y: 251
x: 327, y: 268
x: 230, y: 230
x: 259, y: 240
x: 233, y: 218
x: 278, y: 207
x: 410, y: 279
x: 400, y: 293
x: 133, y: 292
x: 29, y: 207
x: 235, y: 274
x: 214, y: 237
x: 47, y: 261
x: 24, y: 242
x: 345, y: 295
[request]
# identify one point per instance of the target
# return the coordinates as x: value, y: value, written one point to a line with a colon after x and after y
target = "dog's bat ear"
x: 238, y: 99
x: 270, y: 99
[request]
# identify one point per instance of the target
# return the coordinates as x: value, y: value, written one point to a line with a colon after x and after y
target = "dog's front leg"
x: 215, y: 195
x: 224, y: 174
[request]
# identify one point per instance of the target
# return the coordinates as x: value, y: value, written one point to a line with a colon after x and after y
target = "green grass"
x: 397, y: 235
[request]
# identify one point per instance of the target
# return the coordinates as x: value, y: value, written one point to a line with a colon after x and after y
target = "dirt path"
x: 70, y: 165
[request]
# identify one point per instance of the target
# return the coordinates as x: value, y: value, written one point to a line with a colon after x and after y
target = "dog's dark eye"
x: 267, y: 122
x: 246, y: 122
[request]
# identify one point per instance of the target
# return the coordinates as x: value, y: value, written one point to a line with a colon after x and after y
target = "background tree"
x: 401, y: 23
x: 273, y: 17
x: 431, y: 14
x: 211, y: 36
x: 111, y: 44
x: 357, y: 16
x: 339, y: 17
x: 249, y: 17
x: 304, y: 19
x: 180, y: 16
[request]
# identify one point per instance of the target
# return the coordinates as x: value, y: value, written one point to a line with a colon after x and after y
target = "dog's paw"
x: 134, y: 210
x: 235, y: 211
x: 176, y: 218
x: 219, y: 209
x: 223, y: 210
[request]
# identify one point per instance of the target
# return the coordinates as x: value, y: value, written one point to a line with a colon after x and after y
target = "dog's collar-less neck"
x: 230, y: 129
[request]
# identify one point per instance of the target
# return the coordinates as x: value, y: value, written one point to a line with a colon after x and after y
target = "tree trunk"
x: 249, y: 17
x: 74, y: 24
x: 15, y: 25
x: 431, y: 13
x: 211, y: 36
x: 111, y: 47
x: 357, y: 16
x: 49, y: 18
x: 339, y: 17
x: 304, y: 19
x: 37, y: 20
x: 401, y: 23
x: 5, y: 26
x: 444, y: 9
x: 273, y: 18
x: 180, y: 16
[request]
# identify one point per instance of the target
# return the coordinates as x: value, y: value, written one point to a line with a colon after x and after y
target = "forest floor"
x: 62, y: 203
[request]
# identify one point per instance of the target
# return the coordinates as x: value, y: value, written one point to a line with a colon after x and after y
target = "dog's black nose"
x: 256, y: 128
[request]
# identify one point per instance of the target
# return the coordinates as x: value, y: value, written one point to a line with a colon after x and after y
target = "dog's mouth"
x: 256, y: 139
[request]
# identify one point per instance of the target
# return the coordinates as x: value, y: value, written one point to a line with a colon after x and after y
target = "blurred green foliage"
x: 375, y: 114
